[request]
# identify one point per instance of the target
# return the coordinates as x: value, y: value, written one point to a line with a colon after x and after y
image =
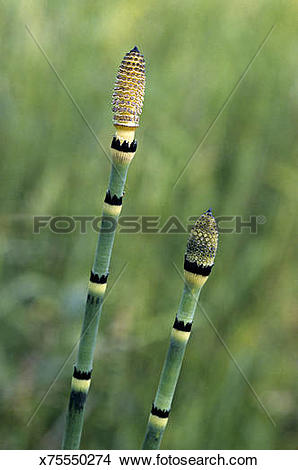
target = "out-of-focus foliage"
x: 196, y: 52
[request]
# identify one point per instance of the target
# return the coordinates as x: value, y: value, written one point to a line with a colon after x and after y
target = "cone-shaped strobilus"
x: 198, y: 262
x: 128, y: 99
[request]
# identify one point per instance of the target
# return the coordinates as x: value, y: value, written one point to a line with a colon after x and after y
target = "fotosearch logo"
x: 64, y: 224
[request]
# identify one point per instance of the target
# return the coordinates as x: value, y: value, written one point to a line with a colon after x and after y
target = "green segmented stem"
x: 199, y: 259
x: 128, y: 99
x: 107, y: 234
x: 79, y: 389
x: 171, y: 369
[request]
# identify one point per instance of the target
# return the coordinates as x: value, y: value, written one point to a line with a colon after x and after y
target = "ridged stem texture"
x: 199, y: 259
x: 171, y: 369
x: 127, y: 106
x: 95, y: 296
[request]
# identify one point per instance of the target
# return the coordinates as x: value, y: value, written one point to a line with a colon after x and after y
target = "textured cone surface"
x: 129, y: 90
x: 202, y: 243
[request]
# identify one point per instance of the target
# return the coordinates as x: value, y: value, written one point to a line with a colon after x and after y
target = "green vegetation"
x: 127, y: 107
x: 51, y: 164
x: 97, y: 286
x: 198, y: 263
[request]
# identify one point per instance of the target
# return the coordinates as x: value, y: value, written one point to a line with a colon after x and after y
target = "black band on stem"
x: 158, y: 412
x: 194, y: 268
x: 181, y: 326
x: 113, y: 201
x: 77, y: 400
x: 126, y: 147
x: 80, y: 375
x: 98, y: 280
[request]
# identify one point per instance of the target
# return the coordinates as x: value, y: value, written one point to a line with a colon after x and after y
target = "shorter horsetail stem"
x: 127, y: 106
x: 198, y: 262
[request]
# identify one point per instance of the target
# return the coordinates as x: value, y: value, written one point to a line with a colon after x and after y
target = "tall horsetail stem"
x: 198, y: 262
x: 127, y: 107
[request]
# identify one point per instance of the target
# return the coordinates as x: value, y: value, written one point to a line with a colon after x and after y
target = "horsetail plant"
x: 127, y: 107
x: 198, y: 262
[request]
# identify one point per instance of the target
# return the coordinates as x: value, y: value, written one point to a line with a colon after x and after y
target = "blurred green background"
x: 196, y: 52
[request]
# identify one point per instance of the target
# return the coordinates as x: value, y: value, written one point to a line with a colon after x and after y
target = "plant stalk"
x: 127, y: 106
x: 198, y: 262
x: 95, y: 295
x: 171, y: 369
